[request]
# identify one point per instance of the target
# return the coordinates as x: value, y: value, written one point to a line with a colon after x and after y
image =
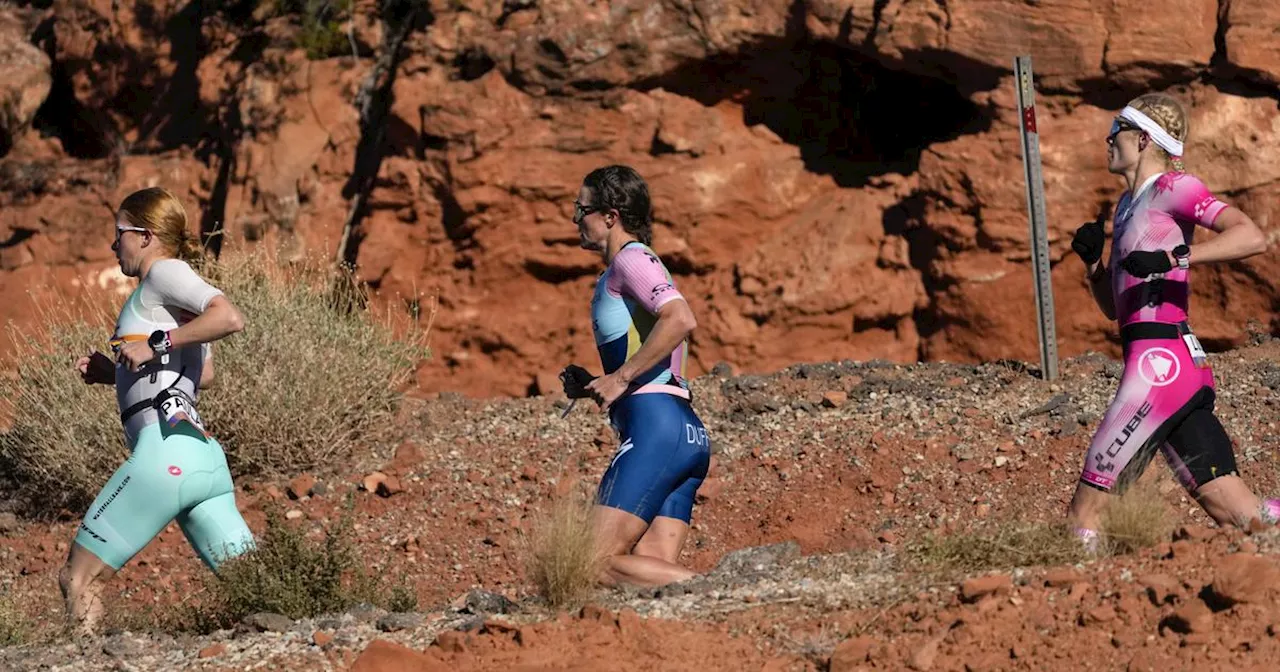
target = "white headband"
x: 1165, y: 141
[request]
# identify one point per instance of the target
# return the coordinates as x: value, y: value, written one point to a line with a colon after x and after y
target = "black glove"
x: 1141, y: 264
x: 575, y: 380
x: 1091, y: 237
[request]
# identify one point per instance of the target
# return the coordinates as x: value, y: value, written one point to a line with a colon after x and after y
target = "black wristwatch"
x: 1182, y: 254
x: 159, y: 342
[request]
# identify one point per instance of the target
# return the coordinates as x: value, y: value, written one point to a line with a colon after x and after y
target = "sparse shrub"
x: 998, y: 546
x: 291, y: 573
x: 1135, y: 520
x: 322, y: 34
x: 312, y: 377
x: 64, y: 438
x: 14, y: 626
x: 562, y: 558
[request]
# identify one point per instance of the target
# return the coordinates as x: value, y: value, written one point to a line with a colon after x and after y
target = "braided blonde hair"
x: 160, y: 212
x: 1172, y: 117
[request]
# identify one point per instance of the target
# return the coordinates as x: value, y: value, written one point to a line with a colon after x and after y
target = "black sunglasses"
x: 580, y: 211
x: 1119, y: 127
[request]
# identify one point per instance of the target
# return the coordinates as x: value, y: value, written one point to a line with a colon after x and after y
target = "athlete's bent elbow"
x: 235, y: 322
x: 1260, y: 243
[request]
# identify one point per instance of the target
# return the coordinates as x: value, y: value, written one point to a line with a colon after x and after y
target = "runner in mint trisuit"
x: 1165, y: 399
x: 640, y: 322
x: 175, y: 470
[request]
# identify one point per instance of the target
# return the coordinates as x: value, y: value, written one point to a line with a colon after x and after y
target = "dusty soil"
x: 839, y: 470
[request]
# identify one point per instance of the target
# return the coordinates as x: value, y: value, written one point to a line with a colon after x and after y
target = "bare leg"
x: 81, y: 581
x: 664, y: 539
x: 617, y: 533
x: 1229, y: 501
x: 1087, y: 505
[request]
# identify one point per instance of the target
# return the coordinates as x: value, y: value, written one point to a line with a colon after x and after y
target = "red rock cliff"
x: 832, y: 178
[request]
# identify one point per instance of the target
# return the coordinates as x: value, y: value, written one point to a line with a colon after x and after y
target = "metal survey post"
x: 1042, y: 273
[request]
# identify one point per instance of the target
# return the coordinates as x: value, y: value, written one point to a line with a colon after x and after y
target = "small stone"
x: 1184, y: 548
x: 389, y: 486
x: 710, y: 489
x: 1194, y: 533
x: 383, y: 655
x: 834, y: 398
x: 273, y: 492
x: 1191, y: 617
x: 212, y: 651
x: 301, y: 486
x: 1101, y: 614
x: 451, y: 641
x: 1160, y: 587
x: 629, y: 622
x: 293, y: 514
x: 484, y: 602
x: 1248, y: 547
x: 978, y: 587
x: 924, y: 657
x: 888, y: 537
x: 851, y: 653
x: 372, y: 481
x: 397, y: 621
x: 8, y: 523
x: 321, y: 638
x: 1001, y: 460
x: 1061, y: 577
x: 269, y: 622
x: 529, y: 473
x: 1243, y: 578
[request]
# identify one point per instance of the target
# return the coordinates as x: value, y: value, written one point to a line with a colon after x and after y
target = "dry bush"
x: 291, y: 573
x: 64, y: 437
x: 562, y: 559
x: 997, y: 546
x: 313, y: 376
x: 1135, y: 520
x: 14, y: 626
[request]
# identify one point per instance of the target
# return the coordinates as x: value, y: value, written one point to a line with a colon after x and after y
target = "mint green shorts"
x: 183, y: 477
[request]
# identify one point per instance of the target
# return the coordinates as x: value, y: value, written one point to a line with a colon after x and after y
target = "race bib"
x: 1197, y: 351
x: 176, y: 409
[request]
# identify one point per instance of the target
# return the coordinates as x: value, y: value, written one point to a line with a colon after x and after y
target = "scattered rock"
x: 1194, y: 533
x: 293, y: 514
x: 851, y: 653
x: 756, y: 559
x: 973, y: 589
x: 834, y: 398
x: 1052, y: 404
x: 269, y: 622
x: 301, y: 486
x: 390, y: 486
x: 372, y: 481
x: 321, y: 638
x: 396, y: 621
x: 484, y: 602
x: 924, y: 657
x: 212, y: 651
x: 384, y: 656
x: 122, y: 645
x: 1191, y: 617
x: 1160, y: 587
x: 1243, y: 578
x: 8, y: 523
x: 1061, y: 577
x: 451, y: 641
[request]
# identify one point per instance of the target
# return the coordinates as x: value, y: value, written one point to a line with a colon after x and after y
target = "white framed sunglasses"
x: 122, y: 229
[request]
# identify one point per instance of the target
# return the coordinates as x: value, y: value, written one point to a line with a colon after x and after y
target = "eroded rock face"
x: 831, y: 179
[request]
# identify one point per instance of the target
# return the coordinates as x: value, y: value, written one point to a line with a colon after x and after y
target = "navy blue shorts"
x: 662, y: 460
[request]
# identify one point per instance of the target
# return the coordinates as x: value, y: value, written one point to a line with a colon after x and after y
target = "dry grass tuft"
x: 15, y: 629
x: 562, y: 558
x: 997, y: 547
x: 1136, y: 520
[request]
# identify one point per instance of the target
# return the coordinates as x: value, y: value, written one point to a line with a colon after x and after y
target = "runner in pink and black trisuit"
x: 1166, y: 396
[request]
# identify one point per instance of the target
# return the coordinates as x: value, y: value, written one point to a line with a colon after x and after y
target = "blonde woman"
x: 175, y: 470
x: 1166, y: 395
